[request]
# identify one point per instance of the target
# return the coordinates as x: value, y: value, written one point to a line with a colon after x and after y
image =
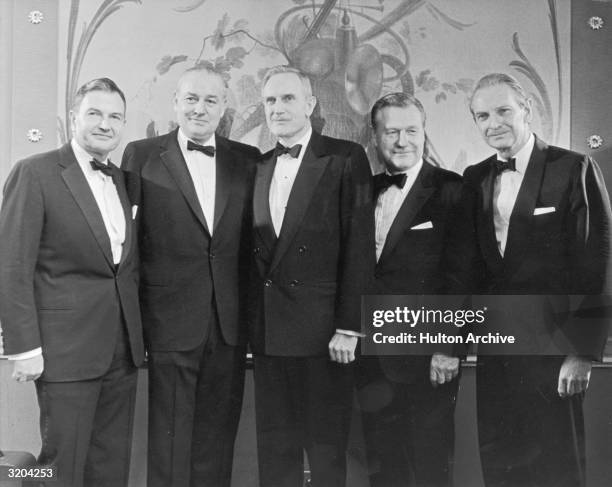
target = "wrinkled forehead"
x: 101, y: 100
x: 399, y: 117
x: 495, y: 96
x: 282, y: 84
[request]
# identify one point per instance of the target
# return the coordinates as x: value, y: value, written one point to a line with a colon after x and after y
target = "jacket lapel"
x: 173, y: 159
x: 521, y: 218
x: 486, y: 226
x: 262, y: 218
x: 119, y: 178
x: 311, y: 169
x: 421, y: 191
x: 225, y: 170
x: 77, y: 184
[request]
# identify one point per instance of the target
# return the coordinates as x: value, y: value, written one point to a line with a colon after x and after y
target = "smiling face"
x: 288, y: 106
x: 502, y: 120
x: 199, y: 104
x: 399, y: 137
x: 98, y: 121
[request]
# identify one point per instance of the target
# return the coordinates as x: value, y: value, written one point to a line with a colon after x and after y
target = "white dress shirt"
x: 388, y: 204
x: 203, y: 171
x: 107, y: 199
x: 285, y: 172
x: 507, y: 186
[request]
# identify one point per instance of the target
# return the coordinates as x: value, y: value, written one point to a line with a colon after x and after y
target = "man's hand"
x: 574, y: 375
x: 28, y: 368
x: 443, y: 368
x: 342, y: 348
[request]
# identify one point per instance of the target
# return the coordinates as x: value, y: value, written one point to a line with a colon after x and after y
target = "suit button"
x: 211, y: 255
x: 267, y: 283
x: 256, y: 250
x: 294, y: 283
x: 302, y: 249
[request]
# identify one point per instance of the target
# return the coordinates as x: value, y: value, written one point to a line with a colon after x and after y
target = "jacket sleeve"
x: 589, y: 222
x: 357, y: 265
x: 21, y: 226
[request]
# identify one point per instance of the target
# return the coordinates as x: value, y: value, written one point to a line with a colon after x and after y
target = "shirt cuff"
x: 25, y: 355
x: 350, y: 333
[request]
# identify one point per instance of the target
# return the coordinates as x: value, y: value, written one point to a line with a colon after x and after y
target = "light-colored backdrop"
x: 436, y: 48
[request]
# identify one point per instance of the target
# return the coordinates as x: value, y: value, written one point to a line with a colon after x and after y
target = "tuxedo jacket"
x: 307, y: 282
x: 59, y: 287
x: 417, y: 261
x: 557, y: 246
x: 185, y: 272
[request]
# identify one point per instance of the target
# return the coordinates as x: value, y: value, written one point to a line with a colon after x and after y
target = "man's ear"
x: 373, y: 138
x: 72, y: 116
x: 311, y: 103
x: 528, y: 107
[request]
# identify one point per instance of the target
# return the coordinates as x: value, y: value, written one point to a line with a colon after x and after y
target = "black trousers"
x: 86, y: 426
x: 195, y: 399
x: 409, y: 427
x: 302, y: 404
x: 528, y: 435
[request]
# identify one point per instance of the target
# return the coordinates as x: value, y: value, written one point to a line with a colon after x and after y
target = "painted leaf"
x: 240, y: 24
x: 222, y: 64
x: 465, y: 84
x: 449, y: 87
x: 235, y: 55
x: 168, y: 61
x: 440, y: 96
x: 218, y: 39
x: 426, y: 81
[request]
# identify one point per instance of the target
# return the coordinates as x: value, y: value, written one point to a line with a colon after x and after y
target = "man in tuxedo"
x: 193, y: 189
x: 311, y: 203
x: 69, y: 293
x: 542, y: 220
x: 408, y: 403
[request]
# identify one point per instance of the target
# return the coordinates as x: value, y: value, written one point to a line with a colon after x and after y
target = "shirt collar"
x: 83, y: 158
x: 411, y: 175
x: 410, y: 172
x: 523, y: 155
x: 183, y: 139
x: 304, y: 140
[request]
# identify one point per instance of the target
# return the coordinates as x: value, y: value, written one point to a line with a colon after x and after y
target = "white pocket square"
x: 134, y: 211
x: 543, y: 211
x: 422, y: 226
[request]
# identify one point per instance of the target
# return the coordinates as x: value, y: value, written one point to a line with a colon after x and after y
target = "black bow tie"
x: 509, y: 165
x: 384, y: 180
x: 294, y: 151
x: 209, y: 150
x: 105, y: 169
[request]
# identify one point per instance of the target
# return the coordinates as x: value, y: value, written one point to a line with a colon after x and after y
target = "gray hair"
x: 494, y: 79
x: 203, y: 69
x: 304, y: 79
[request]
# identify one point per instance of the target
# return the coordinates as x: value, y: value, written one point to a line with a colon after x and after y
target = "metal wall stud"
x: 595, y: 141
x: 35, y: 17
x: 595, y: 23
x: 34, y: 135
